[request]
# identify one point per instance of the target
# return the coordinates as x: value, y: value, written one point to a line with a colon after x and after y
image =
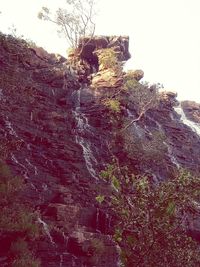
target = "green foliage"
x: 151, y: 226
x: 109, y: 175
x: 144, y: 96
x: 16, y: 217
x: 113, y: 105
x: 115, y: 182
x: 9, y: 186
x: 100, y: 198
x: 118, y: 235
x: 108, y: 172
x: 108, y: 59
x: 129, y: 82
x: 26, y: 261
x: 19, y: 218
x: 22, y: 255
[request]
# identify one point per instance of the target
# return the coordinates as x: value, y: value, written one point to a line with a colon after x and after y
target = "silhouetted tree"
x: 75, y: 21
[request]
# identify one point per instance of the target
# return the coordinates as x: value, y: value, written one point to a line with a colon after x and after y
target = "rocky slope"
x: 58, y: 135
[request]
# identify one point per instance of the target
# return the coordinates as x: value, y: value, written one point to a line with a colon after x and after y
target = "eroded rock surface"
x: 192, y: 110
x: 57, y: 134
x: 119, y: 43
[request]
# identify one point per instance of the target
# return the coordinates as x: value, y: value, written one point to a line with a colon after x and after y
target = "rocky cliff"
x: 58, y: 132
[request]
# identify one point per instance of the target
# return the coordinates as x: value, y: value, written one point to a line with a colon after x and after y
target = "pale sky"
x: 164, y: 36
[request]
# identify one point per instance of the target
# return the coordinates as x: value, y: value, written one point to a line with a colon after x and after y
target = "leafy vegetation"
x: 108, y: 60
x: 144, y: 97
x: 23, y: 256
x: 17, y: 218
x: 151, y: 225
x: 100, y: 198
x: 113, y: 105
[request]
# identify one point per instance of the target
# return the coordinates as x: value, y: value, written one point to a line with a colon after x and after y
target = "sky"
x: 164, y: 36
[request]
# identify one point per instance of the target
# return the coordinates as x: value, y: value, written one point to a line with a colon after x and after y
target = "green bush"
x: 151, y: 227
x: 17, y: 218
x: 113, y: 105
x: 144, y: 97
x: 100, y: 198
x: 22, y: 255
x: 108, y: 60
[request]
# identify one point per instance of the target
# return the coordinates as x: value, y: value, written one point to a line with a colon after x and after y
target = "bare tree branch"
x: 76, y: 23
x: 143, y: 111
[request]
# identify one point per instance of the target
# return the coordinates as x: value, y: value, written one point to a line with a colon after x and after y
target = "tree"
x: 75, y: 21
x: 151, y: 220
x: 143, y: 96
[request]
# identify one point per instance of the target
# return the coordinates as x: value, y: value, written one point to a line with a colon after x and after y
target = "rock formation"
x: 192, y: 110
x: 57, y: 134
x: 136, y: 74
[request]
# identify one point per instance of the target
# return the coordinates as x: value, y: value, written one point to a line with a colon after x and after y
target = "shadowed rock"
x: 54, y: 129
x: 87, y: 46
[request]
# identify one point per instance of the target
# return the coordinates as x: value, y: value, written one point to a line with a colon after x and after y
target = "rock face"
x: 119, y: 43
x: 136, y: 74
x: 45, y: 139
x: 57, y: 134
x: 168, y: 98
x: 107, y: 79
x: 192, y: 110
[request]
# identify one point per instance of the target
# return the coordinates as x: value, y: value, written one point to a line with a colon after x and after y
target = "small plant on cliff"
x: 100, y: 198
x: 151, y: 224
x: 23, y: 256
x: 75, y: 21
x: 144, y: 97
x: 108, y: 60
x: 112, y: 104
x: 16, y: 218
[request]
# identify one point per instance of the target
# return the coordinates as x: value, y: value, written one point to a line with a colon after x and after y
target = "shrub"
x: 144, y: 97
x: 151, y: 225
x: 17, y: 217
x: 9, y: 185
x: 23, y: 256
x: 100, y: 198
x: 113, y: 105
x: 108, y: 58
x: 26, y: 261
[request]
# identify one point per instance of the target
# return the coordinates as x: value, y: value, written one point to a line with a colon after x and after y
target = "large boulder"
x: 107, y: 79
x: 87, y: 46
x: 87, y: 58
x: 191, y: 110
x: 168, y: 98
x: 134, y: 74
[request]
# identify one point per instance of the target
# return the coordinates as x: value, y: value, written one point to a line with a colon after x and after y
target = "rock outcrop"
x: 107, y: 79
x: 58, y: 135
x: 135, y: 74
x: 88, y: 46
x: 168, y: 98
x: 192, y: 110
